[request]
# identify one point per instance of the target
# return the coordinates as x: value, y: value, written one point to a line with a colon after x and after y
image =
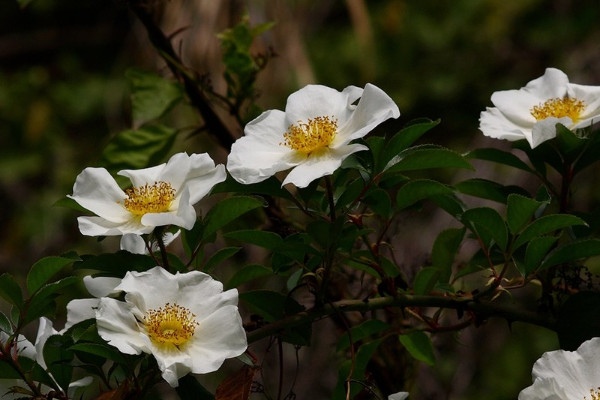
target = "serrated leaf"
x: 536, y: 251
x: 228, y: 210
x: 267, y: 239
x: 406, y: 137
x: 248, y: 273
x: 419, y: 346
x: 43, y: 270
x: 10, y: 290
x: 572, y: 251
x: 545, y: 225
x: 425, y: 280
x: 426, y: 157
x: 487, y: 224
x: 379, y: 201
x: 219, y: 257
x: 152, y: 95
x: 420, y: 189
x: 519, y: 211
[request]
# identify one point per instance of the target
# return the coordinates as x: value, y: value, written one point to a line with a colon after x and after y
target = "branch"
x: 195, y: 94
x: 483, y: 309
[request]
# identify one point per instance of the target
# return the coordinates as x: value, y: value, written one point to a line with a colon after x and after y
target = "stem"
x: 280, y: 350
x: 329, y: 188
x: 158, y: 235
x: 482, y: 309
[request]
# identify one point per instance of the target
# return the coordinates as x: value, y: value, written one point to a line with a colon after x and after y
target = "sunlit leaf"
x: 426, y: 157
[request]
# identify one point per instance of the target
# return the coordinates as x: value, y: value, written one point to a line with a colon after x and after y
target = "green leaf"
x: 498, y: 156
x: 569, y: 144
x: 572, y: 251
x: 361, y: 332
x: 152, y: 95
x: 58, y: 357
x: 228, y: 210
x: 270, y: 305
x: 487, y: 224
x: 5, y: 325
x: 519, y: 211
x: 544, y: 225
x: 219, y: 257
x: 578, y: 320
x: 487, y: 189
x: 248, y: 273
x: 136, y: 149
x: 190, y: 389
x: 426, y: 157
x: 10, y: 290
x: 43, y: 270
x: 444, y: 251
x: 379, y: 201
x: 363, y: 355
x: 267, y: 239
x: 419, y: 346
x: 105, y: 351
x: 269, y: 187
x: 116, y: 264
x: 426, y: 280
x: 41, y: 301
x: 537, y: 250
x: 421, y: 189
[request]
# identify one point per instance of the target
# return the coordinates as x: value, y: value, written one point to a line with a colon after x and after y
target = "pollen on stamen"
x: 146, y: 199
x: 559, y: 108
x: 170, y: 324
x: 313, y: 135
x: 594, y: 394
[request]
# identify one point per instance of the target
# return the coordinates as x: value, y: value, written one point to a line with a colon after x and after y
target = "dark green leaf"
x: 105, y: 351
x: 572, y: 251
x: 417, y: 190
x: 361, y: 332
x: 151, y: 96
x: 269, y: 187
x: 58, y: 357
x: 362, y: 357
x: 267, y: 239
x: 228, y: 210
x: 498, y: 156
x: 406, y: 137
x: 426, y: 280
x: 270, y: 305
x: 116, y: 264
x: 248, y: 273
x: 537, y: 250
x: 10, y: 290
x: 5, y: 325
x: 219, y: 257
x: 41, y: 301
x: 487, y: 224
x: 519, y: 211
x: 190, y: 389
x: 426, y: 157
x: 444, y: 251
x: 43, y: 270
x: 569, y: 144
x: 487, y: 189
x: 545, y: 225
x: 578, y: 320
x: 419, y: 346
x: 379, y: 201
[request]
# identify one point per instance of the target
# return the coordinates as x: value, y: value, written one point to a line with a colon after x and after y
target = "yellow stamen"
x: 594, y: 394
x: 171, y: 324
x: 559, y: 108
x: 149, y: 198
x: 316, y: 134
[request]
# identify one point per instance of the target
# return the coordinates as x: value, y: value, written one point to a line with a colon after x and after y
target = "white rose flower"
x: 533, y: 111
x: 573, y: 375
x: 135, y: 244
x: 185, y: 321
x: 160, y: 195
x: 312, y: 136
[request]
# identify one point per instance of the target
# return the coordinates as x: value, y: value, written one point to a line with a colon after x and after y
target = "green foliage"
x: 419, y: 346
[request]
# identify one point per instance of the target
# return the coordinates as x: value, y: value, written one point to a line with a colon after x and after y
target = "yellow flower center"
x: 316, y: 134
x: 149, y: 198
x: 170, y: 324
x: 559, y: 108
x: 594, y: 394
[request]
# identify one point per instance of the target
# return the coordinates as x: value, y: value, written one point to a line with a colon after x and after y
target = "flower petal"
x: 117, y: 325
x: 150, y: 289
x: 323, y: 163
x: 133, y: 243
x: 140, y: 177
x: 101, y: 286
x: 97, y: 226
x: 79, y: 310
x: 494, y: 124
x: 97, y: 191
x: 321, y: 101
x: 545, y: 130
x: 374, y: 107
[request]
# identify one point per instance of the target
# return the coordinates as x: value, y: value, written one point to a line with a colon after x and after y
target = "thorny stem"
x: 482, y: 309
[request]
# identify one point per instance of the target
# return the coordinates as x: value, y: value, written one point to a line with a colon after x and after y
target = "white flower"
x: 185, y: 321
x: 81, y: 309
x: 312, y: 136
x: 135, y: 244
x: 160, y: 195
x: 398, y: 396
x: 533, y: 111
x: 573, y: 375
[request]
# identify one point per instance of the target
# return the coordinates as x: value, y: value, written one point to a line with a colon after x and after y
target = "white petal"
x: 260, y: 153
x: 321, y: 101
x: 150, y: 289
x: 133, y: 243
x: 45, y: 330
x: 205, y: 298
x: 140, y: 177
x: 79, y: 310
x: 97, y: 191
x: 543, y: 389
x: 101, y: 286
x: 545, y: 130
x: 590, y: 95
x: 96, y: 226
x: 319, y: 164
x: 117, y: 325
x: 494, y: 124
x: 398, y: 396
x: 553, y: 84
x: 516, y: 106
x: 374, y: 107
